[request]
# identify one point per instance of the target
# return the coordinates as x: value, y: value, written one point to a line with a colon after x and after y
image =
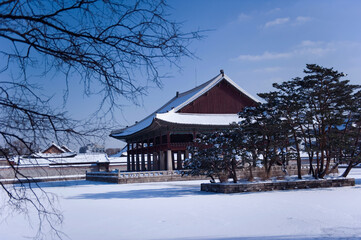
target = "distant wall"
x: 6, y: 172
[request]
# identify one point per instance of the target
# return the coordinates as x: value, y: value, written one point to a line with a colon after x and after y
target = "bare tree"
x: 115, y: 47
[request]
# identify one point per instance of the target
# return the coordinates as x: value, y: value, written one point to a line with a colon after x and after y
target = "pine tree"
x: 216, y: 154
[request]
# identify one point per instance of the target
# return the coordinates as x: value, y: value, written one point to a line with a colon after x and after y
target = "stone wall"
x: 6, y: 172
x: 140, y: 177
x: 276, y: 185
x: 164, y: 176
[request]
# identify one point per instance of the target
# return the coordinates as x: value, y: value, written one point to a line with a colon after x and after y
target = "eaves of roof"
x: 174, y: 105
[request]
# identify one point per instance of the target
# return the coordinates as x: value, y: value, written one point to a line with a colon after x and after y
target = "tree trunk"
x: 310, y: 158
x: 317, y: 166
x: 268, y: 171
x: 334, y: 167
x: 250, y: 178
x: 325, y: 171
x: 348, y: 169
x: 234, y: 168
x: 298, y: 157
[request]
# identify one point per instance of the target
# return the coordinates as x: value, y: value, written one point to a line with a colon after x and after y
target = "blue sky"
x: 257, y: 43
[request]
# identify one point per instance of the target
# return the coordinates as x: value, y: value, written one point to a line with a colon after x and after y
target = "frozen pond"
x: 178, y: 210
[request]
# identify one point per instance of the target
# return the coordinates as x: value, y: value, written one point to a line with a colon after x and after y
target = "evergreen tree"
x: 319, y: 114
x: 216, y: 154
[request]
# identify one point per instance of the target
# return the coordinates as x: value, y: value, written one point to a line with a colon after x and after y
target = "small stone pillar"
x: 169, y: 160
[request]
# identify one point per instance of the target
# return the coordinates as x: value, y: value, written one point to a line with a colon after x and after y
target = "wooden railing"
x: 146, y: 174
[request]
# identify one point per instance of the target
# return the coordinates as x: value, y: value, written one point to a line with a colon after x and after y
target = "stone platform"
x: 276, y: 185
x: 140, y: 177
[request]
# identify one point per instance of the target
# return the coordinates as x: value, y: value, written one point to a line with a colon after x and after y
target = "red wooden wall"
x: 223, y: 98
x: 53, y: 149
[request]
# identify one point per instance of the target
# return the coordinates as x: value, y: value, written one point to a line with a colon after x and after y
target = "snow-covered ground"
x: 178, y: 210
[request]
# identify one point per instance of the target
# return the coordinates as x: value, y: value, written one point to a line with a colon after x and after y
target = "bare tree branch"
x: 117, y: 48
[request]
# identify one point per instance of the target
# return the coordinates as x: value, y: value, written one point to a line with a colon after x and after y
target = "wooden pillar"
x: 149, y: 162
x: 137, y: 157
x: 128, y: 157
x: 161, y: 161
x: 142, y: 158
x: 186, y: 154
x: 133, y: 160
x: 161, y: 153
x: 155, y: 154
x: 155, y: 161
x: 179, y: 160
x: 168, y: 140
x: 173, y: 161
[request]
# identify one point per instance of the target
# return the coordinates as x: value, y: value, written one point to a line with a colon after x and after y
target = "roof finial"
x: 222, y: 72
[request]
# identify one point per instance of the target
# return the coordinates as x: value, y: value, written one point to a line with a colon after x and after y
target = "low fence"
x: 91, y: 172
x: 164, y: 176
x: 140, y: 177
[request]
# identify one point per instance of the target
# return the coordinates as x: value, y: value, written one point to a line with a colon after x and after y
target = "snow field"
x: 178, y: 210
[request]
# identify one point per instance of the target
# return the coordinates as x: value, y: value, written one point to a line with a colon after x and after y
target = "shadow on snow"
x: 145, y: 193
x: 70, y: 183
x: 272, y: 238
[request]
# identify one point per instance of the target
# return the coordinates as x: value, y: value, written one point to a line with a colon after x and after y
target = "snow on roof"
x: 121, y: 153
x: 55, y: 145
x: 53, y: 155
x: 118, y: 159
x: 174, y: 102
x: 181, y: 100
x: 47, y: 159
x: 199, y: 119
x: 66, y: 148
x: 62, y: 148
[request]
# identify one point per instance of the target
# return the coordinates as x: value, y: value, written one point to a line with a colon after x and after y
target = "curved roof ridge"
x: 168, y: 106
x: 177, y: 103
x: 210, y: 84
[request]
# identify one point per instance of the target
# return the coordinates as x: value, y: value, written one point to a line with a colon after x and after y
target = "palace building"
x: 160, y: 141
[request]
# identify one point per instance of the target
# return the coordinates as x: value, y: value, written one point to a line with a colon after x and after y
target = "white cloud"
x: 243, y: 17
x: 277, y: 21
x: 297, y: 21
x: 302, y: 19
x: 308, y: 43
x: 305, y: 48
x: 314, y: 51
x: 265, y: 56
x: 273, y: 10
x: 268, y: 69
